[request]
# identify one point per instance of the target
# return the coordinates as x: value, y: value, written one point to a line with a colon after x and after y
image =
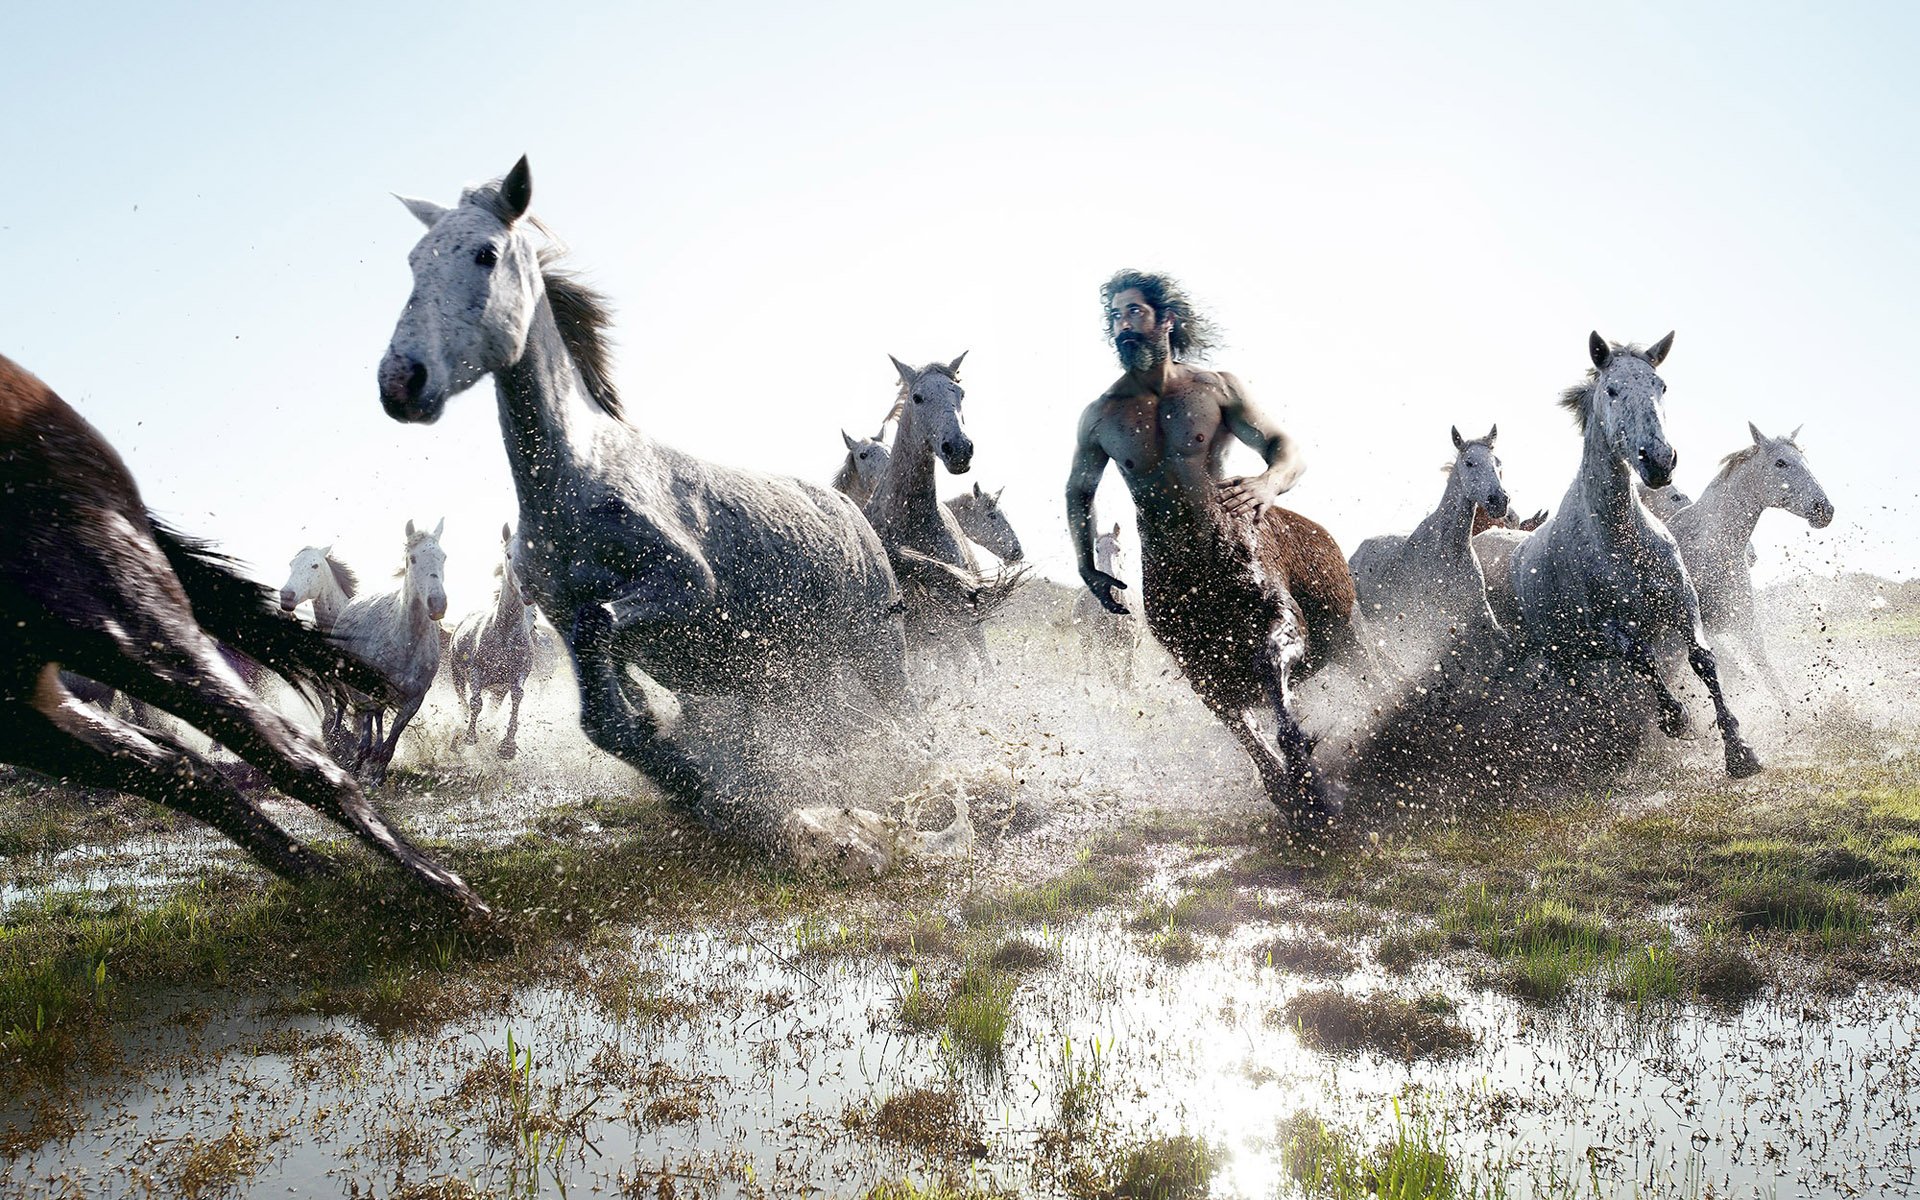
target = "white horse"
x: 1108, y: 640
x: 315, y: 576
x: 1715, y: 533
x: 658, y: 567
x: 1603, y: 578
x: 492, y: 650
x: 1428, y: 584
x: 398, y: 633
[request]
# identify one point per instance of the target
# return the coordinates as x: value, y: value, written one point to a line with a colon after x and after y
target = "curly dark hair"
x: 1194, y: 333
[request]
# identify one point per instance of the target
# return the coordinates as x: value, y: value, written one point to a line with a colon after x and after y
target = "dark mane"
x: 583, y: 316
x: 343, y: 576
x: 1574, y: 399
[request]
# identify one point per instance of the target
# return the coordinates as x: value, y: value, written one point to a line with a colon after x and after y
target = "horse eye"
x: 1781, y: 463
x: 919, y: 399
x: 1613, y: 393
x: 486, y: 256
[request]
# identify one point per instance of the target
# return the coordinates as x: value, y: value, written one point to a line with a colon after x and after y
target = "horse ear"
x: 1492, y: 434
x: 409, y: 527
x: 1598, y: 350
x: 438, y: 528
x: 1794, y: 437
x: 427, y: 211
x: 1116, y: 529
x: 1657, y: 353
x: 976, y: 489
x: 326, y: 551
x: 906, y: 372
x: 1000, y: 493
x: 506, y: 532
x: 1759, y: 439
x: 848, y: 439
x: 954, y: 366
x: 1459, y: 443
x: 517, y: 190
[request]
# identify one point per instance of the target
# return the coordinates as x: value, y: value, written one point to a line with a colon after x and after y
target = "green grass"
x: 1333, y: 1020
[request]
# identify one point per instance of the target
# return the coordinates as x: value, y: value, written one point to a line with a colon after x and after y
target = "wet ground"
x: 834, y: 1039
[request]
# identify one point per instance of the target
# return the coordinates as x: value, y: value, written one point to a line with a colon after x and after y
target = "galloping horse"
x: 1428, y: 583
x: 1602, y: 578
x: 1111, y: 637
x: 316, y: 575
x: 1715, y: 534
x: 492, y: 651
x: 978, y: 512
x: 399, y: 633
x: 708, y: 579
x: 89, y: 580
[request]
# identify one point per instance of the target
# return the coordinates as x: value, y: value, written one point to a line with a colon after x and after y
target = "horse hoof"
x: 1742, y: 762
x: 508, y: 750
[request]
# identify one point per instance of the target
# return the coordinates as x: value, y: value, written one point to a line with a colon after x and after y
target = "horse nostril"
x: 416, y: 380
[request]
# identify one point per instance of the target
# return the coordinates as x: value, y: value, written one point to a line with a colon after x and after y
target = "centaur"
x: 1248, y: 597
x: 89, y: 580
x: 702, y: 578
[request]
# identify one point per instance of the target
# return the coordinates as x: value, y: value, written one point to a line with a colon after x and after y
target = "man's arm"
x: 1083, y: 480
x: 1256, y: 493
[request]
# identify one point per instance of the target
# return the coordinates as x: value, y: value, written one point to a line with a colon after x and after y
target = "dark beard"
x: 1137, y: 353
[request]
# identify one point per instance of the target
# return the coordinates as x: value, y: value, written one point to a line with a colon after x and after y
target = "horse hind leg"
x: 1309, y: 789
x: 508, y: 747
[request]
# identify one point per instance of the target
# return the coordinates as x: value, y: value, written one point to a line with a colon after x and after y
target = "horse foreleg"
x: 1640, y: 659
x: 1741, y: 760
x: 390, y: 743
x: 507, y: 746
x: 474, y: 704
x: 65, y: 739
x: 1311, y: 790
x: 624, y: 722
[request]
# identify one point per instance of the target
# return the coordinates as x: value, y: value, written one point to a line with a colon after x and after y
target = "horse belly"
x: 1214, y: 617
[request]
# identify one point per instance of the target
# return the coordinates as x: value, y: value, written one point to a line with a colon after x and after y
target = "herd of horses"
x: 666, y: 575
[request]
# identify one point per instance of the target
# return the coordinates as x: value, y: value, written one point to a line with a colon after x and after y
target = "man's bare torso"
x: 1168, y: 444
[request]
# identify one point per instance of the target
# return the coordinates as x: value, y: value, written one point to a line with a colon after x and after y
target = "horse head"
x: 1624, y: 395
x: 930, y: 407
x: 1477, y: 469
x: 1108, y: 555
x: 306, y: 577
x: 985, y: 523
x: 476, y: 286
x: 1784, y: 480
x: 512, y: 582
x: 866, y: 462
x: 426, y: 568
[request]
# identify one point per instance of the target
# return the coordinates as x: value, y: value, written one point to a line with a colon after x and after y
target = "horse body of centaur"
x: 90, y: 582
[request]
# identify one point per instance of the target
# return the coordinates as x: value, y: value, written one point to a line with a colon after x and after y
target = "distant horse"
x: 1109, y: 640
x: 979, y: 513
x: 1428, y: 583
x: 931, y: 555
x: 709, y: 579
x: 1483, y: 521
x: 315, y: 575
x: 399, y: 633
x: 1715, y: 535
x: 89, y: 580
x: 985, y: 523
x: 493, y: 650
x: 1603, y: 578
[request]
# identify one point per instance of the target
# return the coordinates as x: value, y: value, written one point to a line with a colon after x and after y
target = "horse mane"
x: 1574, y: 399
x: 1733, y: 461
x: 846, y: 476
x: 583, y: 316
x: 343, y: 576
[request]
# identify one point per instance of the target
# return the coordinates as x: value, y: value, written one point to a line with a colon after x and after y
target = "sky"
x: 1406, y: 217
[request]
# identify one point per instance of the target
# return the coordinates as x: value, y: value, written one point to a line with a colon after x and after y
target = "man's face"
x: 1140, y: 335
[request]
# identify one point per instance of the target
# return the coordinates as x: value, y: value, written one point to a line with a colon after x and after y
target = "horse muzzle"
x: 1822, y: 515
x: 1656, y: 466
x: 287, y: 602
x: 1498, y: 506
x: 957, y: 453
x: 404, y: 392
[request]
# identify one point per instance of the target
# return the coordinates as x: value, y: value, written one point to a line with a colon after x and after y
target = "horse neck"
x: 506, y: 602
x: 1605, y: 481
x: 1451, y: 524
x: 1727, y: 511
x: 905, y: 494
x: 329, y: 602
x: 546, y: 417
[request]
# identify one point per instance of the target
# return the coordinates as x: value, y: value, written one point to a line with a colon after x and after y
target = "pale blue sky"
x: 1406, y: 217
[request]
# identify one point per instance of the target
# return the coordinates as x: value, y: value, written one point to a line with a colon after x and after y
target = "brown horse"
x: 1248, y: 608
x: 89, y: 581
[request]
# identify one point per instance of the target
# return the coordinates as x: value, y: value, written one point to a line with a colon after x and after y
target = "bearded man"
x: 1248, y: 597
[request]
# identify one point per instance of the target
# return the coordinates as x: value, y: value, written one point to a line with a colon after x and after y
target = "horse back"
x: 1302, y: 554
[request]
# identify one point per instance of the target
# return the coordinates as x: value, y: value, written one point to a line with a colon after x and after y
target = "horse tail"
x: 995, y: 592
x: 246, y: 616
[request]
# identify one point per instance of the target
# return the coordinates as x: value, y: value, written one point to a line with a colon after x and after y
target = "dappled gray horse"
x: 1427, y: 586
x: 1715, y: 534
x: 981, y: 518
x: 315, y: 575
x: 492, y: 651
x: 1602, y: 578
x: 931, y: 555
x: 708, y: 579
x: 398, y: 633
